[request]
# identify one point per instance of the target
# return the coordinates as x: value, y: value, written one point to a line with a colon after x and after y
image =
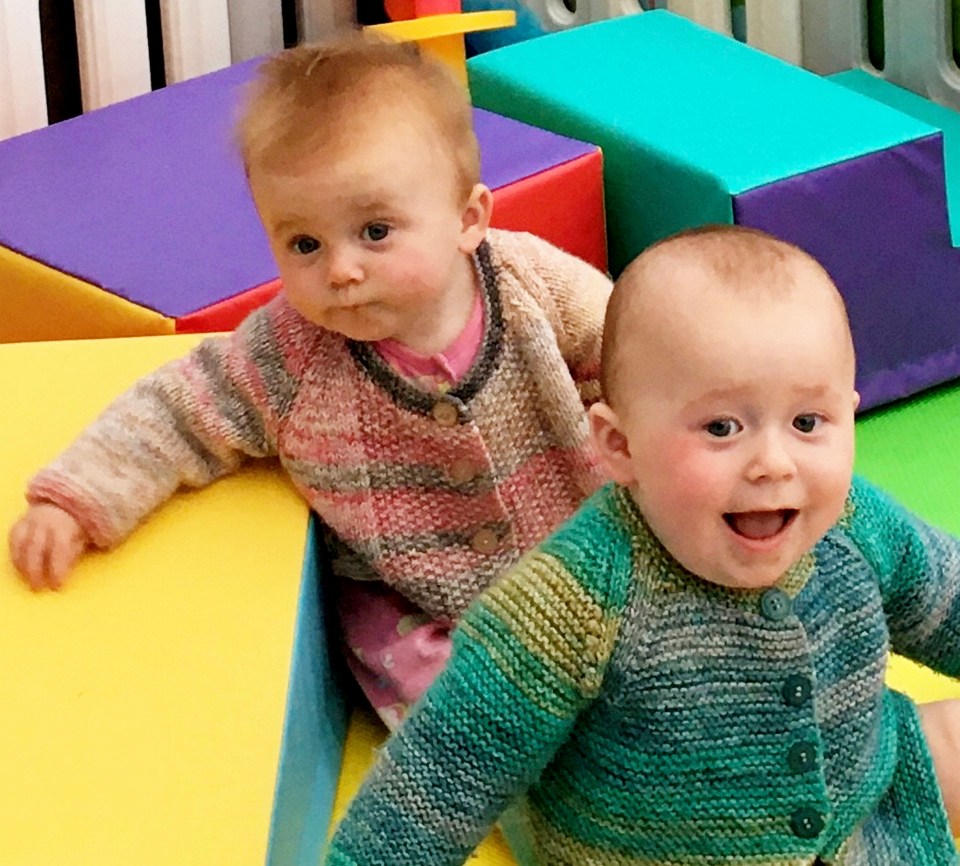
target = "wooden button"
x: 445, y: 414
x: 463, y: 471
x: 485, y: 541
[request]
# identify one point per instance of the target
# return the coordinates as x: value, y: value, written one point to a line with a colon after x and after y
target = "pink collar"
x: 446, y: 367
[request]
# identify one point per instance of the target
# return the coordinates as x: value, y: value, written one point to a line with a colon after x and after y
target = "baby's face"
x: 368, y: 234
x: 739, y: 417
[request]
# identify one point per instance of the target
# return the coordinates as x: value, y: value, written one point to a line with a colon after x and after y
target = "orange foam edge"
x: 42, y: 303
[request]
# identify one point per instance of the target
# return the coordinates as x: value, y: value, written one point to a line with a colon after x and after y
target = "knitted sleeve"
x: 528, y: 656
x: 919, y: 572
x: 573, y: 294
x: 190, y: 422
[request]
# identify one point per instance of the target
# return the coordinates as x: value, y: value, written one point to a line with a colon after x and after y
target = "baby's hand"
x: 45, y: 544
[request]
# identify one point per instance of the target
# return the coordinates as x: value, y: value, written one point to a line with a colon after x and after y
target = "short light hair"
x: 741, y: 258
x: 301, y: 97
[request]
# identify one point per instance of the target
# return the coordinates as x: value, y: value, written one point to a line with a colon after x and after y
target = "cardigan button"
x: 775, y: 604
x: 796, y: 690
x: 463, y: 471
x: 485, y: 541
x: 802, y: 757
x: 445, y: 414
x: 806, y: 822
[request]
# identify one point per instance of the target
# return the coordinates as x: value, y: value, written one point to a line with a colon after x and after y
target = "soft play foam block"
x: 696, y: 127
x: 174, y: 703
x: 947, y: 120
x: 145, y: 202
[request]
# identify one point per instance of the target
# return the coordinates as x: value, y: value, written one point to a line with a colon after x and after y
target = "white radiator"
x: 203, y: 35
x: 828, y: 36
x: 23, y: 101
x: 198, y: 36
x: 918, y: 44
x: 773, y: 26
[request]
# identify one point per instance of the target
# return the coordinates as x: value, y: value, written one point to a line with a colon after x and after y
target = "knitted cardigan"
x: 658, y: 719
x: 436, y: 496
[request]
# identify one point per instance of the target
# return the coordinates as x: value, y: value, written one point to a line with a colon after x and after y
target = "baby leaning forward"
x: 664, y: 719
x: 690, y: 672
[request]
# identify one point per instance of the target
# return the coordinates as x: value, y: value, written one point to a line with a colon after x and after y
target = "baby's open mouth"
x: 758, y: 525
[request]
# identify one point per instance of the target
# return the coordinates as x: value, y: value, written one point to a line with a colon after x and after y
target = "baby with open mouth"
x: 760, y: 525
x: 691, y: 669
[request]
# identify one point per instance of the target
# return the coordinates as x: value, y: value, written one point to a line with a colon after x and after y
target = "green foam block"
x: 686, y: 117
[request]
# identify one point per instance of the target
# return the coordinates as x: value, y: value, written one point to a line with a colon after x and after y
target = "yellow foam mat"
x: 42, y: 303
x: 143, y: 704
x: 922, y: 684
x: 364, y: 736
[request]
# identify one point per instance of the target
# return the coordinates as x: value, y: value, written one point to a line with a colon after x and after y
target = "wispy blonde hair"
x: 305, y: 97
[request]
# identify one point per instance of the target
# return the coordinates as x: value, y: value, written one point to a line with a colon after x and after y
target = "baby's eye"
x: 721, y: 428
x: 375, y: 232
x: 304, y: 245
x: 807, y: 423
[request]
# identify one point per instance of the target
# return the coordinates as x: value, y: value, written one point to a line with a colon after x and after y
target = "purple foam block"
x: 511, y: 150
x: 878, y: 223
x: 147, y: 198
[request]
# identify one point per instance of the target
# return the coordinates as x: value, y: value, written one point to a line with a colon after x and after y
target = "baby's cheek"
x: 693, y: 468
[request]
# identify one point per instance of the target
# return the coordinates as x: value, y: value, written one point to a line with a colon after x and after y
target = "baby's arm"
x: 581, y: 300
x: 573, y: 295
x: 528, y: 656
x: 919, y: 571
x: 191, y: 421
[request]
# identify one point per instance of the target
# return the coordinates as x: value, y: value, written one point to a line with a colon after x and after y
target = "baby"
x: 421, y: 378
x: 691, y: 670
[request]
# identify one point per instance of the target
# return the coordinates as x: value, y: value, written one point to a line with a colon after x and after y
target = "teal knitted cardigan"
x: 653, y: 718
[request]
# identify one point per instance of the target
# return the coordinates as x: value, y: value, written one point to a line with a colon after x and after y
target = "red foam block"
x: 563, y: 205
x: 227, y: 314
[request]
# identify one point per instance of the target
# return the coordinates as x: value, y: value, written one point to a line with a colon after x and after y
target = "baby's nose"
x: 773, y: 459
x: 344, y: 268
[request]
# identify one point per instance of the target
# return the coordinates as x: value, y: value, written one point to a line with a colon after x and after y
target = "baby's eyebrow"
x: 722, y: 392
x: 371, y: 205
x: 288, y: 223
x: 814, y: 390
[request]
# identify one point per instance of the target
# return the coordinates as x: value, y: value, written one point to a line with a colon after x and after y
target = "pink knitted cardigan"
x: 436, y: 496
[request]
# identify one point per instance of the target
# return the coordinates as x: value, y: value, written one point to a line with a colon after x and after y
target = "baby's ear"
x: 475, y: 219
x: 611, y: 443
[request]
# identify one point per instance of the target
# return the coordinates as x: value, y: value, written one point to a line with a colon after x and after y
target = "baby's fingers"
x: 61, y: 556
x: 28, y: 550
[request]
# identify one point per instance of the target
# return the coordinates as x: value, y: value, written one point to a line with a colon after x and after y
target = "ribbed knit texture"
x: 659, y: 719
x: 362, y: 445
